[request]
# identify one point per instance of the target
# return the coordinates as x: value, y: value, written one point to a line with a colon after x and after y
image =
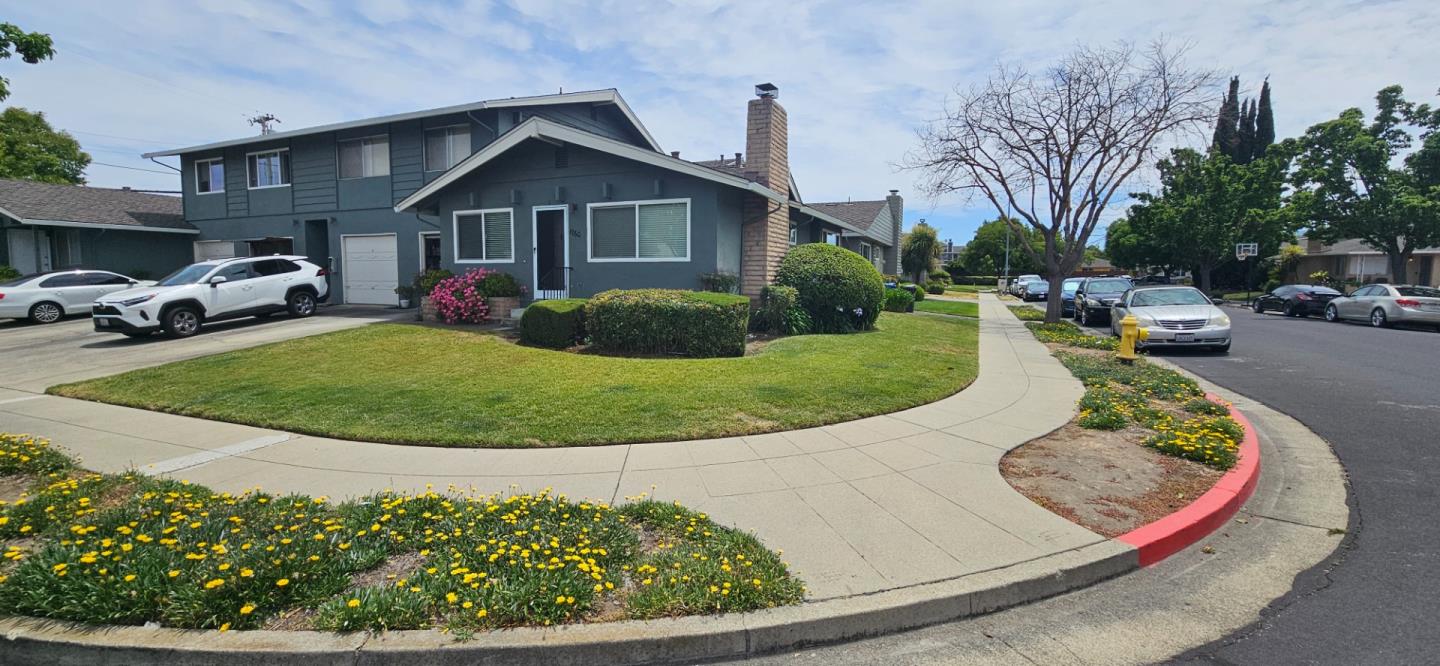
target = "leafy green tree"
x: 1206, y: 205
x: 32, y: 47
x: 988, y: 247
x: 919, y: 251
x: 30, y: 149
x: 1350, y: 183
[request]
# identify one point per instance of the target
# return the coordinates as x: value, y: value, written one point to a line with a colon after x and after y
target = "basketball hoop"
x: 1244, y: 250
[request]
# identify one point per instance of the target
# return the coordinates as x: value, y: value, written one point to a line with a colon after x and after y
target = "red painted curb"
x: 1177, y: 531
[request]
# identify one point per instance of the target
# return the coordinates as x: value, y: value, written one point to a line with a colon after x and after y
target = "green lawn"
x: 418, y: 385
x: 965, y: 309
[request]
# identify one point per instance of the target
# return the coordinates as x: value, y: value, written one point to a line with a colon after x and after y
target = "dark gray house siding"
x: 526, y: 177
x: 318, y: 208
x: 142, y: 254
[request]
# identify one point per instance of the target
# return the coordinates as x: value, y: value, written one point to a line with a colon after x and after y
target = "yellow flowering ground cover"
x: 131, y: 549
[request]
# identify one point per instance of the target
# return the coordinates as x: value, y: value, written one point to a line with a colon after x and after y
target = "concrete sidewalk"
x: 861, y: 507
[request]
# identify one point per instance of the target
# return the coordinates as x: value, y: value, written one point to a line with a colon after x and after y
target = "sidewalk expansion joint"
x: 197, y: 459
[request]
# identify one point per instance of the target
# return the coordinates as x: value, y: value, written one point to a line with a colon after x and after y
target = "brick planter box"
x: 500, y: 306
x: 427, y: 309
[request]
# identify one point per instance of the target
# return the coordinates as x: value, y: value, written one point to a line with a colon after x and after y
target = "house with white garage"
x: 569, y: 193
x: 46, y: 227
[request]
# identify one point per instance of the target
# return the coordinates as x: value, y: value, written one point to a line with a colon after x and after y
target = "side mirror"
x: 133, y: 283
x: 217, y: 280
x: 1217, y: 301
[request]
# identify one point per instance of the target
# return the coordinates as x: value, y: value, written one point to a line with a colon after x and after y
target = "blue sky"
x: 857, y: 78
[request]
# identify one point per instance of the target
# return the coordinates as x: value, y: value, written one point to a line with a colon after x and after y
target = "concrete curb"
x: 1179, y: 530
x: 696, y: 638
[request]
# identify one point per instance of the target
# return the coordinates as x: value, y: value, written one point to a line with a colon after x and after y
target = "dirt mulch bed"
x: 1103, y: 480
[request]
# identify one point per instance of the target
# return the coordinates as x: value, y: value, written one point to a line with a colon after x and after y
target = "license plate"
x: 102, y: 323
x: 1184, y: 337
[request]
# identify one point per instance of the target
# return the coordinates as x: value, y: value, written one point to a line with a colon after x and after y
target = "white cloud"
x: 856, y: 77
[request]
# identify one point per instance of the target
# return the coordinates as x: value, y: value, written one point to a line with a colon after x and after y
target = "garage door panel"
x: 371, y: 270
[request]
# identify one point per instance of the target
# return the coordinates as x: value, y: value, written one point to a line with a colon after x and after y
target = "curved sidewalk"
x: 876, y: 504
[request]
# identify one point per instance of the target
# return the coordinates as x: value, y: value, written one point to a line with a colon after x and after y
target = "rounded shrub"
x: 899, y: 300
x: 935, y: 288
x: 840, y: 290
x: 556, y: 324
x: 668, y: 321
x: 780, y: 312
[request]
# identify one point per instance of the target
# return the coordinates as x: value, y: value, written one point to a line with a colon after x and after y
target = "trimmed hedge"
x: 899, y: 300
x: 840, y: 290
x: 556, y: 324
x: 780, y: 312
x: 668, y: 321
x: 935, y: 288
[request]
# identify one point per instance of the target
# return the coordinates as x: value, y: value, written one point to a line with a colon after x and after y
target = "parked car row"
x: 1381, y: 305
x: 179, y: 304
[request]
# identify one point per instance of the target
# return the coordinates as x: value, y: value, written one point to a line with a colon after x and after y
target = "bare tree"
x: 1053, y: 148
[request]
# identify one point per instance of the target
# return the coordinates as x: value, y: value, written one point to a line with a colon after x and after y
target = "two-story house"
x: 569, y: 193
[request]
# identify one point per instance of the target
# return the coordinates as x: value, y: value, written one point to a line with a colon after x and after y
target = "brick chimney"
x: 897, y: 217
x: 765, y: 237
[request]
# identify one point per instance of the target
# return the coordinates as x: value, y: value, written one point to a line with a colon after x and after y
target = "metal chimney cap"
x: 764, y: 90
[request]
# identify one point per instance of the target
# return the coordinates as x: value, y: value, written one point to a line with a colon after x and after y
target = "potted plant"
x: 406, y: 293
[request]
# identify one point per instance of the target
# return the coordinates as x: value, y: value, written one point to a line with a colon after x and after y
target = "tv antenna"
x: 264, y: 120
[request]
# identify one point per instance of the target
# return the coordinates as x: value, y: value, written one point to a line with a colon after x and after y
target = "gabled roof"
x: 860, y: 214
x: 46, y: 204
x: 1350, y: 246
x: 540, y: 128
x: 606, y: 96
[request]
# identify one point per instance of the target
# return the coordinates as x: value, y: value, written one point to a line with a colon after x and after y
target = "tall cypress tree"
x: 1245, y: 147
x: 1264, y: 122
x: 1227, y: 136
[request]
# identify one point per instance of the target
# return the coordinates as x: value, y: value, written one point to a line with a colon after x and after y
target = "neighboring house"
x: 949, y: 252
x: 1353, y: 260
x: 569, y: 193
x: 1097, y: 267
x: 46, y: 227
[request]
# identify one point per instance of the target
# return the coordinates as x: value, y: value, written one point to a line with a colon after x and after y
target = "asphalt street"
x: 1374, y: 394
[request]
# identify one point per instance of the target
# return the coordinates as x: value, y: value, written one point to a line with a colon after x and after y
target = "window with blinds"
x: 640, y: 231
x: 485, y: 236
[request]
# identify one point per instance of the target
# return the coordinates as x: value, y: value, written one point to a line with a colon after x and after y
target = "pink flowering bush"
x: 461, y: 299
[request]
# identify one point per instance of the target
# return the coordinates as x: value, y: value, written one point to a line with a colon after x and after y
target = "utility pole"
x: 264, y: 120
x: 1008, y: 231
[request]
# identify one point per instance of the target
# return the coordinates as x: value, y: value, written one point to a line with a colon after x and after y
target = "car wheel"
x: 182, y: 322
x: 301, y: 304
x: 1257, y: 307
x: 1332, y: 314
x: 1378, y: 318
x: 1289, y: 309
x: 46, y: 312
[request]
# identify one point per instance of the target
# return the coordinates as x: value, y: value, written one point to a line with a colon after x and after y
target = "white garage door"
x: 371, y: 271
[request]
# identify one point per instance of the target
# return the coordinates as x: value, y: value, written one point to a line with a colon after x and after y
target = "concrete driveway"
x: 34, y: 357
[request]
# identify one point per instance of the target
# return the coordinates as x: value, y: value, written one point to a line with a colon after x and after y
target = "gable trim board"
x: 546, y: 130
x: 93, y: 225
x: 607, y: 96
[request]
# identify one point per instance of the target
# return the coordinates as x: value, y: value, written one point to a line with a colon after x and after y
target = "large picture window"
x: 640, y: 231
x: 446, y: 146
x: 363, y: 158
x: 270, y: 168
x: 484, y: 236
x: 209, y: 176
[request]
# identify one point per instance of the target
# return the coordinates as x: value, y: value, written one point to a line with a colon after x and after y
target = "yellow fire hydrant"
x: 1130, y: 332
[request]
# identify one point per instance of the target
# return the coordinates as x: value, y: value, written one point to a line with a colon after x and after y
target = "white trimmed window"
x: 270, y: 168
x: 209, y: 176
x: 831, y: 238
x: 446, y: 146
x: 640, y: 231
x: 794, y: 236
x: 865, y: 251
x: 484, y: 236
x: 363, y: 158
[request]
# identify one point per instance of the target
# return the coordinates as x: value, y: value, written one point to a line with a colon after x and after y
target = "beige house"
x: 1352, y: 259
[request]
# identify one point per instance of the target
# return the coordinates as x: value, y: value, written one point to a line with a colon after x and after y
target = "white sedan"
x: 46, y: 298
x: 1175, y: 317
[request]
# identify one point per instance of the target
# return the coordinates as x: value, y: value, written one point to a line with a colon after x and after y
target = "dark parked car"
x: 1094, y: 297
x: 1295, y: 300
x: 1067, y: 296
x: 1034, y: 290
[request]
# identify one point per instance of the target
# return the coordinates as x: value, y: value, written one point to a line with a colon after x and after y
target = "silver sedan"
x: 1174, y: 317
x: 1388, y: 304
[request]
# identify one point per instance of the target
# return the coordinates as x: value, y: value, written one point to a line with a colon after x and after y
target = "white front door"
x: 370, y: 270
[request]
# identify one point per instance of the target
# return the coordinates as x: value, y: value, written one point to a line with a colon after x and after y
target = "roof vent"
x: 764, y: 90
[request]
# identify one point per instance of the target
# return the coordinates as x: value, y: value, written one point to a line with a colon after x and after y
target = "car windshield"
x: 20, y: 280
x: 187, y: 275
x: 1419, y: 292
x: 1069, y: 285
x: 1108, y: 286
x: 1149, y: 297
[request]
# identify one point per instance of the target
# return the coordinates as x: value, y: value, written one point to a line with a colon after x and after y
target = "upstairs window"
x: 640, y: 231
x: 484, y: 236
x: 269, y: 168
x: 363, y: 158
x: 446, y: 146
x: 209, y: 176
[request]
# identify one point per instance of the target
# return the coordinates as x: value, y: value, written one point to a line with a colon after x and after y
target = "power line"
x: 114, y: 136
x: 122, y: 166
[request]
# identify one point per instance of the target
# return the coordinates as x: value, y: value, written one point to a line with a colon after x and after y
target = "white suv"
x: 214, y: 290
